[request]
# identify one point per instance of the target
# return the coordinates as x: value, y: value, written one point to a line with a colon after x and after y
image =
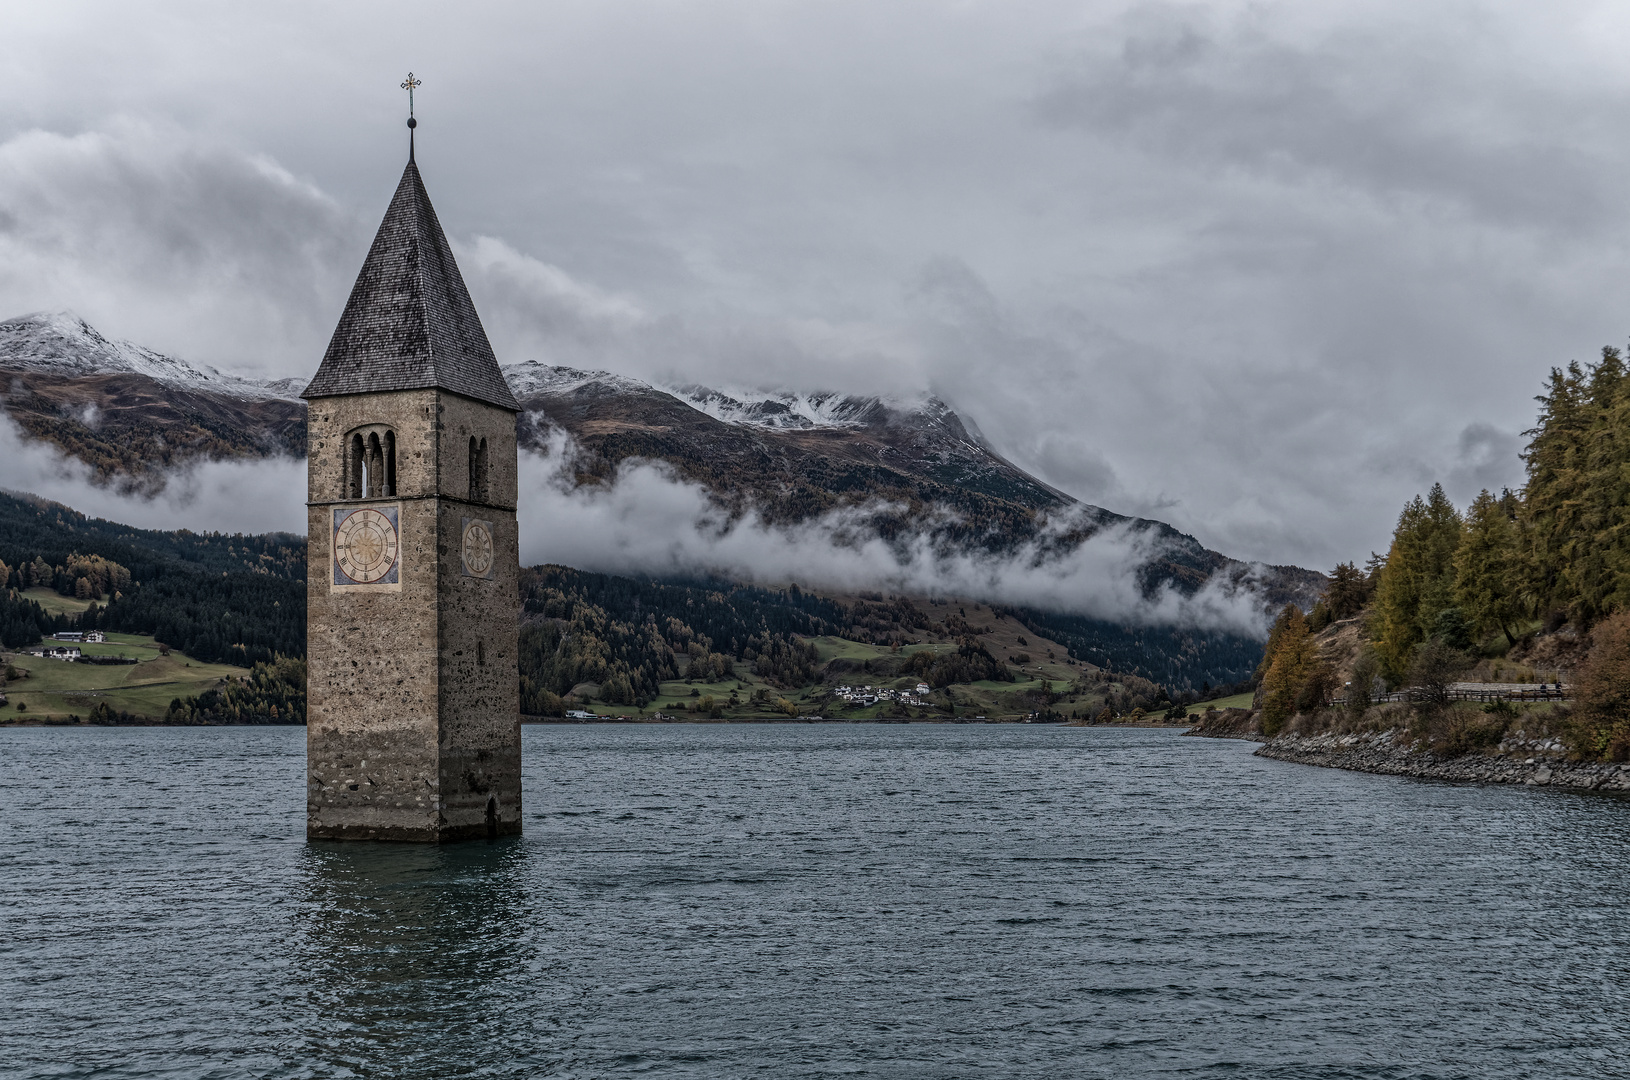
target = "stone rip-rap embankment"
x: 1390, y: 752
x: 1534, y: 762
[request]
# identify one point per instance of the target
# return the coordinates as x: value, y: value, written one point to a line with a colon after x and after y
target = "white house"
x: 57, y: 652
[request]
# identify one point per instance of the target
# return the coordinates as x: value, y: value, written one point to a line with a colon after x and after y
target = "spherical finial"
x: 412, y: 123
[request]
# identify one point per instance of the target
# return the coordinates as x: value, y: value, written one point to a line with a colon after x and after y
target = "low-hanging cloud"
x: 646, y: 520
x: 243, y: 495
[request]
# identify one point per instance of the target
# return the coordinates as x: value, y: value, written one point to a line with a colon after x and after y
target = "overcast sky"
x: 1263, y: 270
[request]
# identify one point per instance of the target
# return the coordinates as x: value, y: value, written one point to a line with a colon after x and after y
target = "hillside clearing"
x: 57, y: 689
x: 54, y: 602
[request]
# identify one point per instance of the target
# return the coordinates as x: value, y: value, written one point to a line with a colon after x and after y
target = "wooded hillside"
x: 1539, y: 576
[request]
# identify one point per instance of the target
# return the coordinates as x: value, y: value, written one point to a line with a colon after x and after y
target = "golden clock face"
x: 365, y: 547
x: 477, y: 548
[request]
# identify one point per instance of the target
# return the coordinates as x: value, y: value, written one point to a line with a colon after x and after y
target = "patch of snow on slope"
x: 532, y: 378
x: 62, y: 343
x: 782, y: 410
x: 795, y: 410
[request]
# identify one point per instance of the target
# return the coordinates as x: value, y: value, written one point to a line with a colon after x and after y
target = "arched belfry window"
x: 478, y: 469
x: 390, y: 463
x: 354, y: 466
x: 370, y: 463
x: 376, y: 466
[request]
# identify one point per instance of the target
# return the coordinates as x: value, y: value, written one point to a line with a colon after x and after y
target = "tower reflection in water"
x: 414, y: 956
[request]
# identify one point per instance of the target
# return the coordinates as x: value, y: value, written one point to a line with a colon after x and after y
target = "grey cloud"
x: 223, y: 496
x: 537, y: 311
x: 1254, y: 268
x: 185, y: 246
x: 645, y: 520
x: 1391, y: 108
x: 1487, y: 459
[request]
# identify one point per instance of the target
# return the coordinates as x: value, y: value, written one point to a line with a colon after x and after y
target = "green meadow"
x: 57, y: 689
x: 53, y: 602
x: 1238, y: 701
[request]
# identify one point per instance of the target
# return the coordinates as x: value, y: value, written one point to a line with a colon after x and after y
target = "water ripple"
x: 722, y: 901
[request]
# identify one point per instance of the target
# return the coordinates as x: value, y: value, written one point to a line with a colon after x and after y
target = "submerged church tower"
x: 413, y: 711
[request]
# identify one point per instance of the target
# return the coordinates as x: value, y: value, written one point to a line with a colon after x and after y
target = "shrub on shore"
x: 1459, y: 731
x: 1600, y: 724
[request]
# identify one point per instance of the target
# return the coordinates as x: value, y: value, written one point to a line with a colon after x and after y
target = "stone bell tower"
x: 413, y: 715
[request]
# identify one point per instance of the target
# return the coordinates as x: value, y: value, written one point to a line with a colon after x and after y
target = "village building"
x: 56, y: 652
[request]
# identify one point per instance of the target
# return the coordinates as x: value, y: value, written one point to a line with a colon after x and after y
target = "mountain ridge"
x: 904, y: 468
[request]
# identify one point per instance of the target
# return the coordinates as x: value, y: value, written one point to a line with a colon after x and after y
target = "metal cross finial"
x: 409, y: 85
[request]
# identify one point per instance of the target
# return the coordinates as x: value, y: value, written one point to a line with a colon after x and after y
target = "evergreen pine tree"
x: 1417, y: 583
x: 1348, y: 591
x: 1487, y: 585
x: 1294, y: 658
x: 1551, y: 499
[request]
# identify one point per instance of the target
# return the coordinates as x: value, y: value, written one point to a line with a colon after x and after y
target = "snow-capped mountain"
x: 61, y: 343
x: 785, y: 410
x: 902, y: 467
x: 532, y: 379
x: 129, y: 412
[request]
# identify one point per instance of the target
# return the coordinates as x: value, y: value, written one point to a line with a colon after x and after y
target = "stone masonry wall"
x: 371, y: 725
x: 480, y: 767
x: 413, y: 711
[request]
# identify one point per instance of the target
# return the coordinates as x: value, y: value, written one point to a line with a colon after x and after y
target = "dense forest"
x: 241, y: 600
x: 227, y: 598
x: 1558, y: 551
x: 1183, y: 660
x: 590, y: 628
x: 24, y: 621
x: 1456, y: 587
x: 33, y: 529
x: 628, y: 635
x: 273, y: 693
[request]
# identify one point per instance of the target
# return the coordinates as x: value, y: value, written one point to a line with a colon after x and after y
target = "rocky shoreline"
x: 1540, y: 763
x: 1534, y: 762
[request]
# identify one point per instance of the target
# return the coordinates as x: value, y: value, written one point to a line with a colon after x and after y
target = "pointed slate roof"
x: 410, y: 324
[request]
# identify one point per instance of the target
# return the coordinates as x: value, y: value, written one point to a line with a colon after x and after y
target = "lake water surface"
x: 795, y: 900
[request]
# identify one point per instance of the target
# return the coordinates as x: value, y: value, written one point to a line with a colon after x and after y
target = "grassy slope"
x: 1238, y: 701
x: 54, y: 688
x: 60, y: 689
x: 53, y: 603
x: 990, y: 699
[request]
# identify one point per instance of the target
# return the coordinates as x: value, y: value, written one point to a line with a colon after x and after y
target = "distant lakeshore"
x: 1148, y: 722
x: 1534, y: 762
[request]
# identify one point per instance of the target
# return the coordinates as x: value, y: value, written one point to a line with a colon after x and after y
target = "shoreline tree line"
x: 1456, y: 586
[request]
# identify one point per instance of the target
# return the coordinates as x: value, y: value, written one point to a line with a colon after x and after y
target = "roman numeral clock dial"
x: 477, y: 548
x: 365, y: 546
